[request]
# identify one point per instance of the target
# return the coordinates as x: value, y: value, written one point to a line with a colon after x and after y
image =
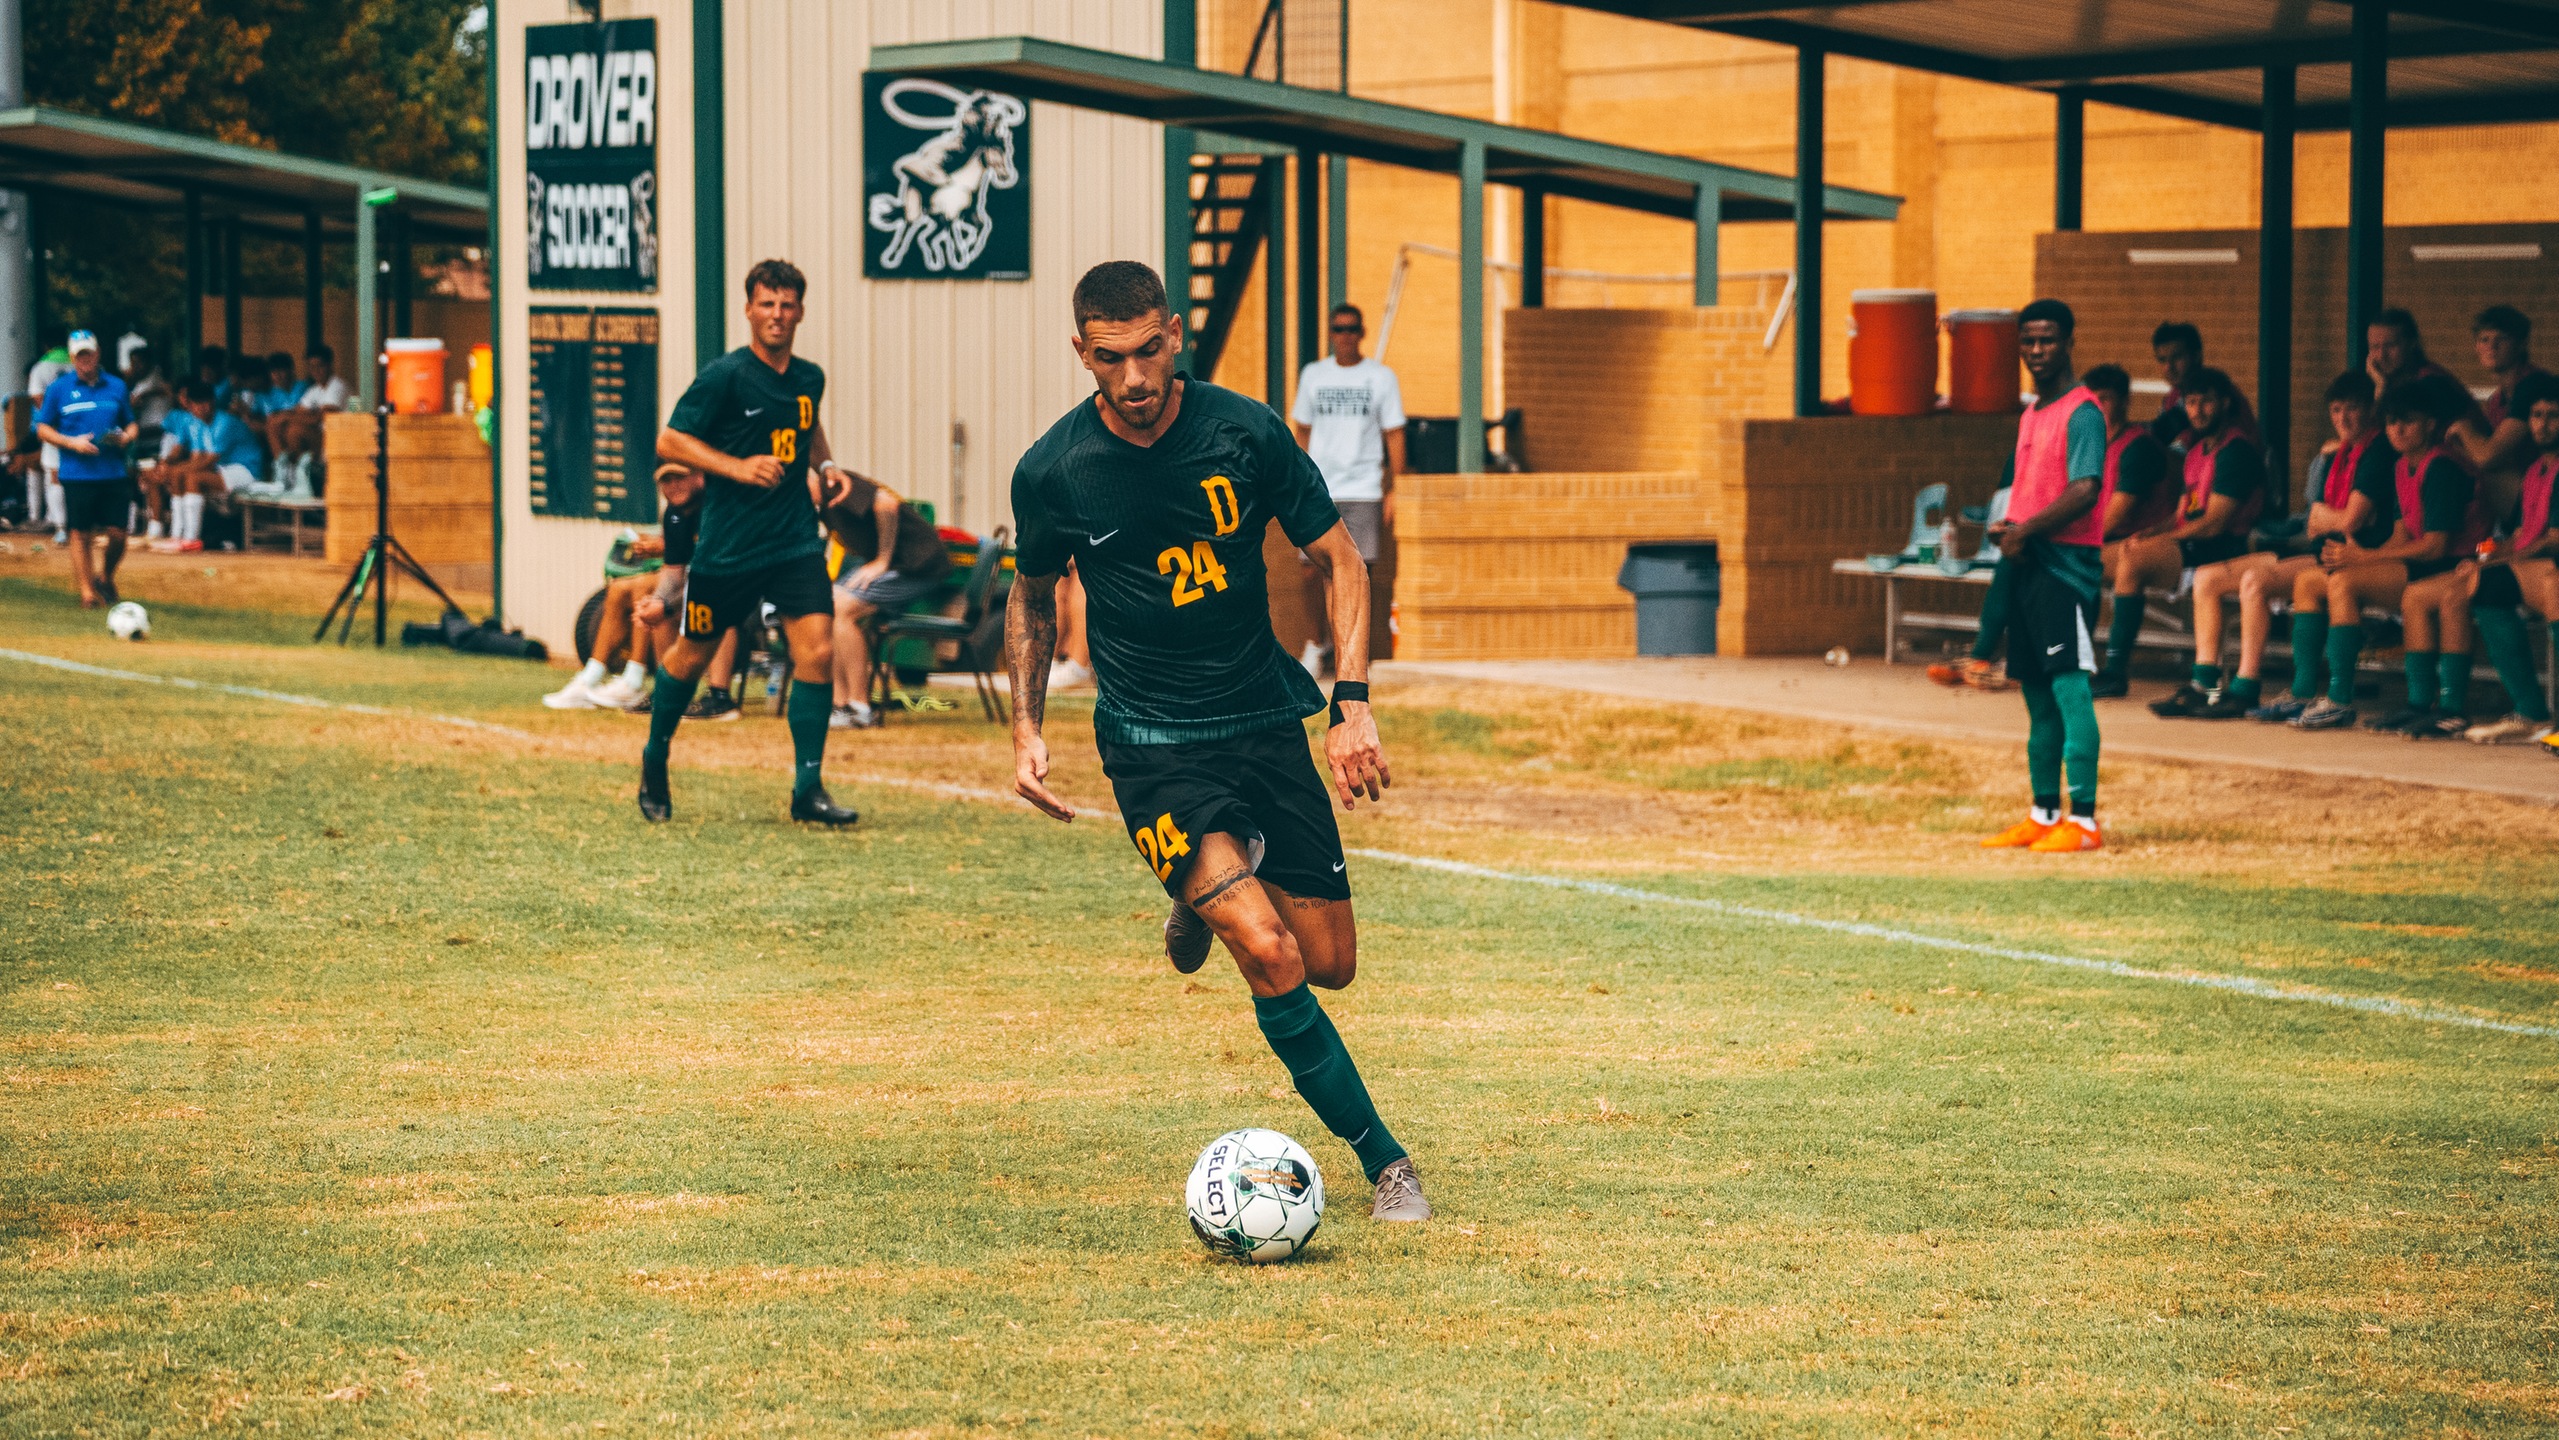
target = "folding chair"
x: 977, y: 631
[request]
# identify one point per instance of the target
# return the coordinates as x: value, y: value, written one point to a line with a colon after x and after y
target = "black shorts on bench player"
x: 2441, y: 522
x: 749, y: 423
x: 1159, y: 490
x: 2224, y: 492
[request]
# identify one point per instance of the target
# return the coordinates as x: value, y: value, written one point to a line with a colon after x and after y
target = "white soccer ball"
x: 129, y: 621
x: 1255, y: 1195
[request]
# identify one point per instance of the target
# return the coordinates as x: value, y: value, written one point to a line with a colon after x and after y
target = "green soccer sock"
x: 2207, y: 677
x: 809, y: 707
x: 2247, y: 690
x: 2345, y: 644
x: 1994, y: 614
x: 2421, y: 669
x: 2509, y: 646
x: 2309, y: 652
x: 2121, y: 633
x: 1303, y: 1037
x: 666, y: 711
x: 2044, y: 731
x: 2077, y: 710
x: 2452, y: 688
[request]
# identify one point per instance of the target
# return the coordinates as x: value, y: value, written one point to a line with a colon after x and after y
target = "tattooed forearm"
x: 1030, y: 645
x: 1219, y: 888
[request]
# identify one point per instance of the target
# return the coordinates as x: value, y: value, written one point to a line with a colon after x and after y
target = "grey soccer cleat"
x: 1186, y: 938
x: 1399, y: 1194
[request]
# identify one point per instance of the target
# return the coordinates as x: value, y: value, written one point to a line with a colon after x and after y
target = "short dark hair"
x: 2351, y: 386
x: 2052, y: 310
x: 2216, y: 383
x: 1119, y: 290
x: 321, y: 352
x: 2400, y: 320
x: 1353, y: 311
x: 2112, y: 379
x: 280, y: 360
x: 2178, y: 332
x: 211, y: 355
x: 2439, y: 398
x: 2505, y: 320
x: 2536, y: 387
x: 776, y: 275
x: 193, y: 389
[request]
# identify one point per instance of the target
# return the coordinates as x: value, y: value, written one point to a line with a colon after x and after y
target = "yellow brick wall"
x: 1973, y: 161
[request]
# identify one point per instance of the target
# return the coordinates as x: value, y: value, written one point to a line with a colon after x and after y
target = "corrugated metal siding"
x: 904, y: 359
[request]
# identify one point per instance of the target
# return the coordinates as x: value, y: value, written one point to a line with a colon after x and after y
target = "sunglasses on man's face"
x: 1346, y: 329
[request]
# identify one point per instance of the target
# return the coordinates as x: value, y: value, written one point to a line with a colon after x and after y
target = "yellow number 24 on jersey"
x: 1197, y: 566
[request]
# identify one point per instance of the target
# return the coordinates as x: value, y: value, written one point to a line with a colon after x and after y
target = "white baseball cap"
x: 83, y: 340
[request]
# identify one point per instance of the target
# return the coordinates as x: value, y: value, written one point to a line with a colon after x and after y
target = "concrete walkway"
x: 1869, y: 693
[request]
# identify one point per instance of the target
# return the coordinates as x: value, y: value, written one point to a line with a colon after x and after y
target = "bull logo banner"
x: 590, y: 156
x: 946, y: 182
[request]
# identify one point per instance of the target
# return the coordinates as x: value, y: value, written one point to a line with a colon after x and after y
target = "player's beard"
x: 1142, y: 414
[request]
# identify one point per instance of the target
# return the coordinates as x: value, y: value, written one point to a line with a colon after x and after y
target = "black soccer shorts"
x: 1261, y: 786
x: 2050, y: 622
x: 96, y: 505
x: 714, y: 603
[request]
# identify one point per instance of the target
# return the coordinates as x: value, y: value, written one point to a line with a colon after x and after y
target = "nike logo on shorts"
x: 1337, y: 867
x: 2054, y: 649
x: 758, y: 410
x: 1098, y: 539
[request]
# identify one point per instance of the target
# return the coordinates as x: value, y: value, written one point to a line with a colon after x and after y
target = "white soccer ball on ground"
x: 129, y: 621
x: 1255, y: 1195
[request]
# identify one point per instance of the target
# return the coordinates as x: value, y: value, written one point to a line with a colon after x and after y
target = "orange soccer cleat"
x: 1947, y: 672
x: 2023, y: 835
x: 2066, y: 837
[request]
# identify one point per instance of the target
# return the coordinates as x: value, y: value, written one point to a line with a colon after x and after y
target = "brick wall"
x: 1606, y: 390
x: 1799, y: 494
x: 2118, y: 302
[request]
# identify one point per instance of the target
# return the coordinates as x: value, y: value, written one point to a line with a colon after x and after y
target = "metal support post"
x: 1181, y: 47
x: 2367, y: 110
x: 192, y: 344
x: 1310, y: 256
x: 711, y: 294
x: 314, y: 317
x: 1532, y: 248
x: 2070, y: 150
x: 231, y: 288
x: 1808, y: 231
x: 1275, y: 288
x: 368, y: 315
x: 1470, y: 308
x: 404, y: 271
x: 2274, y: 275
x: 1337, y: 225
x: 1705, y: 283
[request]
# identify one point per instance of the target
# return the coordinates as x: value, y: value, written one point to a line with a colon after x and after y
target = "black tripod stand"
x: 381, y: 554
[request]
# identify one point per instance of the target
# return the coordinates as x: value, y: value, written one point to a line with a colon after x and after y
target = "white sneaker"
x: 153, y: 531
x: 614, y: 694
x: 1313, y: 658
x: 572, y: 696
x: 2512, y: 730
x: 1065, y: 674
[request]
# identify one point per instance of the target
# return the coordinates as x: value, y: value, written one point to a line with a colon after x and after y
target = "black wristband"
x: 1354, y: 690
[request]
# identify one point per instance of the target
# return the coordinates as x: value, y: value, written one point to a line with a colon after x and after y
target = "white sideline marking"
x: 2236, y: 984
x: 252, y: 692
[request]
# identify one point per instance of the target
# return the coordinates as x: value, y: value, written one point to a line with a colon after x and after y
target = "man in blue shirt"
x: 89, y: 418
x: 207, y: 452
x: 284, y: 386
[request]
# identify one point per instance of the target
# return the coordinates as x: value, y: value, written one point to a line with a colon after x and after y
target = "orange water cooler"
x: 1981, y: 362
x: 414, y: 378
x: 1892, y: 352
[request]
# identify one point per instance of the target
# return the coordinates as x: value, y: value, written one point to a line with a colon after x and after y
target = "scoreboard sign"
x: 594, y: 406
x: 590, y: 152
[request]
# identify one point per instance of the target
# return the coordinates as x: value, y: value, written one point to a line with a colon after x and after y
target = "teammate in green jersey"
x: 749, y: 424
x: 1160, y: 489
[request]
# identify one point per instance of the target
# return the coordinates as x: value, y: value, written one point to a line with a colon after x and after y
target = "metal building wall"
x: 905, y: 360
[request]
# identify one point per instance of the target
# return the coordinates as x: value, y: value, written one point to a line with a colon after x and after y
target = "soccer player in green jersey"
x: 1159, y: 490
x: 749, y: 423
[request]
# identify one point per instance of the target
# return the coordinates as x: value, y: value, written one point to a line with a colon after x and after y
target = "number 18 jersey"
x: 1168, y: 541
x: 740, y: 406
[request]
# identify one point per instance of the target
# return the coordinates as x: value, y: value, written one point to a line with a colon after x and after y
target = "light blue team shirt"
x: 226, y: 438
x: 87, y: 411
x: 273, y: 400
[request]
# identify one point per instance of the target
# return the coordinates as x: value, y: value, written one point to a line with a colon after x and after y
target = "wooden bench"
x: 293, y: 519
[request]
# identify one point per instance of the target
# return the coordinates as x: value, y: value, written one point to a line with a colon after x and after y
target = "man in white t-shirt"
x: 1350, y: 417
x: 296, y: 433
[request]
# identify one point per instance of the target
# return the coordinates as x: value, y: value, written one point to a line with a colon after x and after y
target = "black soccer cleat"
x: 819, y: 808
x: 2102, y: 686
x: 656, y: 806
x: 2183, y: 703
x: 1186, y: 938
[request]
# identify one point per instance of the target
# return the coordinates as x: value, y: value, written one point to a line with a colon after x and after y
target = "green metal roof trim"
x: 1370, y: 129
x: 139, y: 167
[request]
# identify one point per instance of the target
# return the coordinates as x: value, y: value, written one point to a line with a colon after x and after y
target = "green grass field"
x: 370, y: 1075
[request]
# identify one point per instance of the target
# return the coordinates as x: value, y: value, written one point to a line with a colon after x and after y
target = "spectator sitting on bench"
x: 2522, y: 574
x: 633, y: 624
x: 2492, y: 435
x: 2353, y: 491
x: 295, y: 435
x: 2135, y: 463
x: 248, y: 392
x: 2224, y: 488
x: 2179, y: 348
x: 206, y: 454
x: 2439, y: 521
x: 901, y: 560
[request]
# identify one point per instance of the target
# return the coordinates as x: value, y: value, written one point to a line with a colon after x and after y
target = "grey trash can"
x: 1677, y: 589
